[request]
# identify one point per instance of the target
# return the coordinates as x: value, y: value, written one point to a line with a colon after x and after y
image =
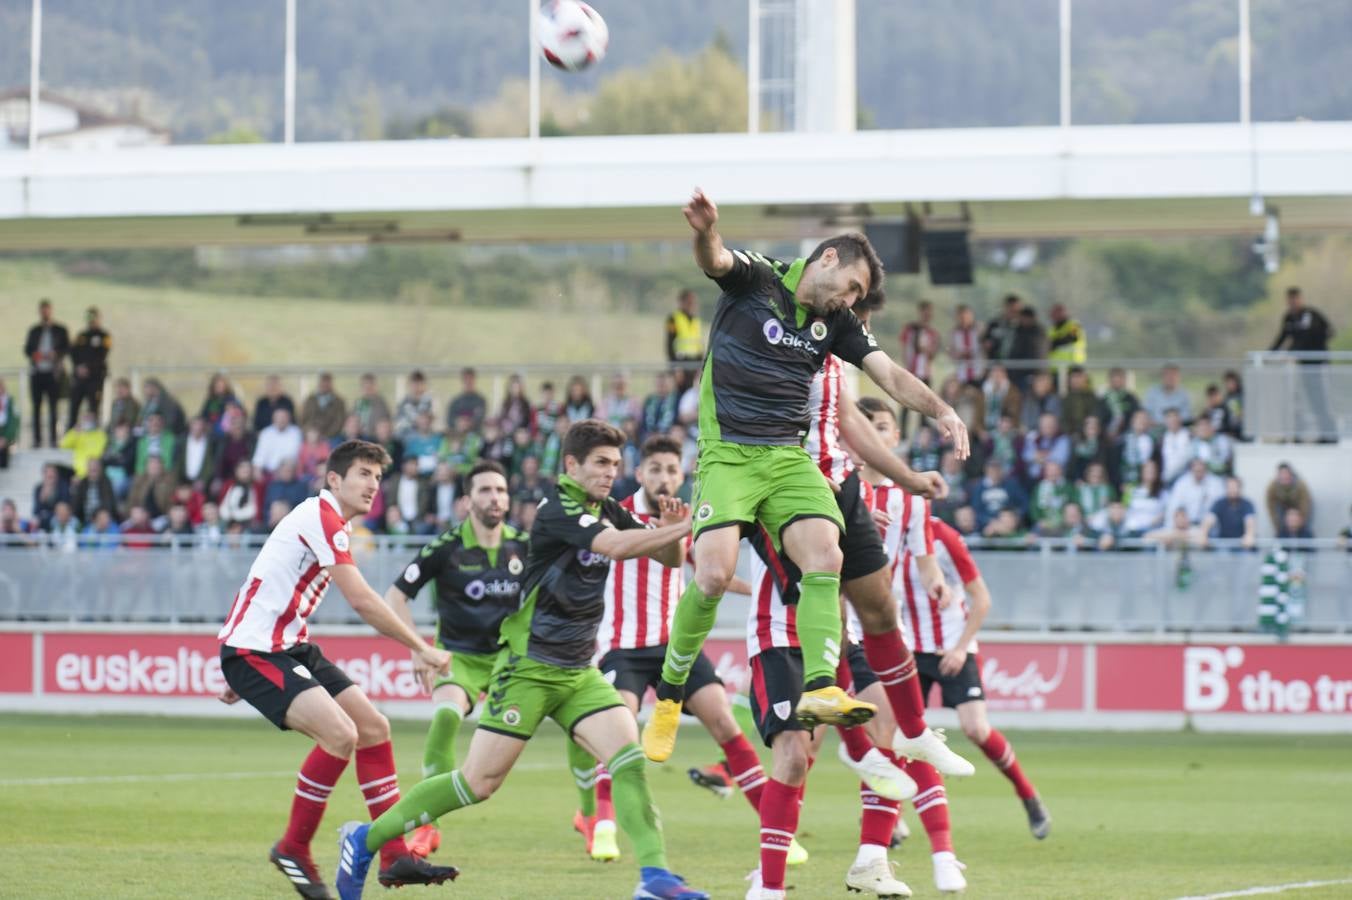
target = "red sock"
x: 605, y: 807
x: 318, y: 774
x: 880, y: 818
x: 931, y: 802
x: 844, y: 677
x: 856, y: 741
x: 779, y: 821
x: 894, y: 665
x: 380, y: 786
x: 1001, y: 752
x: 745, y: 767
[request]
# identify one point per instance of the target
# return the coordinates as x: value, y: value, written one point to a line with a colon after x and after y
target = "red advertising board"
x: 1240, y: 678
x: 1032, y: 677
x: 16, y: 663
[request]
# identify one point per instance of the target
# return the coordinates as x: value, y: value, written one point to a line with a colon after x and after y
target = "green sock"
x: 423, y: 804
x: 694, y: 619
x: 819, y: 625
x: 439, y: 747
x: 583, y: 765
x: 634, y: 810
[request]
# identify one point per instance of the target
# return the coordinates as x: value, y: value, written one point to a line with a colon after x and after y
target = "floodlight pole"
x: 753, y: 67
x: 289, y: 77
x: 1245, y: 64
x: 534, y: 8
x: 34, y: 73
x: 1064, y: 18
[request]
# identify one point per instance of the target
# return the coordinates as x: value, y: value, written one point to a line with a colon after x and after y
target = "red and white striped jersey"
x: 907, y: 534
x: 769, y: 622
x: 288, y: 578
x: 964, y: 346
x: 823, y: 433
x: 641, y: 594
x: 925, y: 627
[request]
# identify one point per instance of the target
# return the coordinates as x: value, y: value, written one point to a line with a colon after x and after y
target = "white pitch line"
x: 1269, y: 889
x: 138, y: 779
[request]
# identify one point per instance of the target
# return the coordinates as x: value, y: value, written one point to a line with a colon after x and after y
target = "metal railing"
x: 1047, y: 586
x: 1298, y: 396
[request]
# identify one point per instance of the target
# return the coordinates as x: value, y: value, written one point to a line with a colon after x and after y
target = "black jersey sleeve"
x: 748, y: 269
x: 850, y: 340
x: 429, y: 563
x: 564, y: 520
x: 620, y: 517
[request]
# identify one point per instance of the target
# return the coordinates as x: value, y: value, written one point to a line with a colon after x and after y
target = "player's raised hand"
x: 930, y: 485
x: 700, y: 212
x: 673, y: 510
x: 952, y: 427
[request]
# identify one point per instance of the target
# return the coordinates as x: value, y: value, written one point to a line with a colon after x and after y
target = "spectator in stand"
x: 277, y: 511
x: 1006, y: 526
x: 1006, y: 445
x: 1145, y: 501
x: 351, y: 432
x: 1040, y: 400
x: 93, y: 492
x: 689, y: 453
x: 153, y: 489
x: 278, y: 443
x: 551, y: 460
x: 159, y: 402
x: 920, y: 344
x: 1029, y: 347
x: 155, y: 441
x: 659, y: 407
x: 469, y: 402
x: 195, y: 461
x: 1234, y: 403
x: 578, y: 405
x: 89, y: 358
x: 119, y: 459
x: 370, y: 407
x: 63, y: 527
x: 625, y: 483
x: 1294, y: 526
x: 1046, y: 444
x: 462, y: 445
x: 384, y: 436
x: 617, y: 405
x: 964, y: 347
x: 191, y: 498
x: 242, y: 500
x: 1138, y: 446
x: 1066, y: 342
x: 498, y: 444
x: 423, y: 445
x: 1180, y: 534
x: 685, y: 334
x: 395, y: 524
x: 10, y: 523
x: 1176, y: 449
x: 125, y: 408
x: 1232, y: 518
x: 994, y: 493
x: 525, y: 444
x: 287, y: 486
x: 219, y: 395
x: 548, y: 411
x: 529, y: 486
x: 9, y: 424
x: 1168, y: 395
x: 1094, y: 493
x: 86, y: 442
x: 1087, y: 449
x: 1287, y: 491
x: 964, y: 520
x: 998, y: 339
x: 1113, y: 527
x: 234, y: 446
x: 1049, y: 497
x: 46, y: 346
x: 516, y: 411
x: 1196, y: 492
x: 416, y: 402
x: 1213, y: 449
x: 324, y: 410
x: 923, y: 453
x: 273, y: 398
x: 967, y: 400
x: 314, y: 451
x: 1306, y: 330
x: 48, y: 492
x: 1079, y: 403
x: 1118, y: 404
x: 137, y: 531
x: 177, y: 524
x: 1215, y: 411
x: 1074, y: 529
x: 687, y: 408
x: 408, y: 494
x: 1001, y: 396
x: 950, y: 467
x: 101, y: 532
x: 209, y: 531
x: 441, y: 495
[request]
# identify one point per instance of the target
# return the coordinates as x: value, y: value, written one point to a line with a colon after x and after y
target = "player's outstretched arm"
x: 373, y: 610
x: 859, y: 433
x: 914, y: 394
x: 710, y: 254
x: 397, y: 600
x: 635, y: 542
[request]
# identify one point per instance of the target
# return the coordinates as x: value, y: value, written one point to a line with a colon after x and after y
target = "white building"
x: 65, y: 124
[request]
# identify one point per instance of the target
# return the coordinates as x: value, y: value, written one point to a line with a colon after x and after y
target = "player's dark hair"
x: 851, y: 247
x: 871, y: 406
x: 586, y: 435
x: 482, y: 466
x: 659, y: 443
x: 349, y: 452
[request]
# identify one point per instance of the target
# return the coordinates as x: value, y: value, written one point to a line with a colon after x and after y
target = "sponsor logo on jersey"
x: 782, y: 709
x: 412, y: 572
x: 777, y: 335
x: 515, y: 565
x: 302, y: 672
x: 773, y: 330
x: 496, y: 587
x: 512, y: 716
x: 590, y: 558
x: 340, y: 541
x: 705, y: 512
x: 818, y: 330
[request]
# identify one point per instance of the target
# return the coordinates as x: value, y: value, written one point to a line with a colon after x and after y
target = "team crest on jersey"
x: 514, y: 565
x: 340, y: 541
x: 705, y: 512
x: 412, y: 572
x: 782, y: 709
x: 302, y: 672
x: 818, y: 330
x: 773, y: 330
x: 512, y: 716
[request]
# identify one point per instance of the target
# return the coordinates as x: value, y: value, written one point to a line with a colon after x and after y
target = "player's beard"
x: 654, y: 501
x: 489, y: 518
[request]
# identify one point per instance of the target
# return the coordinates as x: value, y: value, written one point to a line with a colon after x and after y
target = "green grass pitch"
x: 155, y: 807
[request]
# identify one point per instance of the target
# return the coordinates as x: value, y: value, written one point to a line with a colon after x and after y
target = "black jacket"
x: 91, y: 350
x: 60, y: 342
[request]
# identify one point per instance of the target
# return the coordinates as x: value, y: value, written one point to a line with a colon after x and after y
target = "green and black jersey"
x: 764, y: 349
x: 565, y: 580
x: 475, y: 587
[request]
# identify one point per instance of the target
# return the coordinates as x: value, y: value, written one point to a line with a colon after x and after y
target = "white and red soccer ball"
x: 572, y: 34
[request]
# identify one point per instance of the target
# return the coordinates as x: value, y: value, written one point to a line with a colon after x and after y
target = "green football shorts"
x: 469, y: 671
x: 748, y: 484
x: 523, y: 692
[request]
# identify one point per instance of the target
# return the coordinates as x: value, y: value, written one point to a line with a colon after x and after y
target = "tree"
x: 672, y: 95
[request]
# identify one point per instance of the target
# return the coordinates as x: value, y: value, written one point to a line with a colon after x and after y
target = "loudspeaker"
x: 897, y: 244
x: 948, y: 257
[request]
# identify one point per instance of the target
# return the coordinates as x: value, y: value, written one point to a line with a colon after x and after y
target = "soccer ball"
x: 572, y: 34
